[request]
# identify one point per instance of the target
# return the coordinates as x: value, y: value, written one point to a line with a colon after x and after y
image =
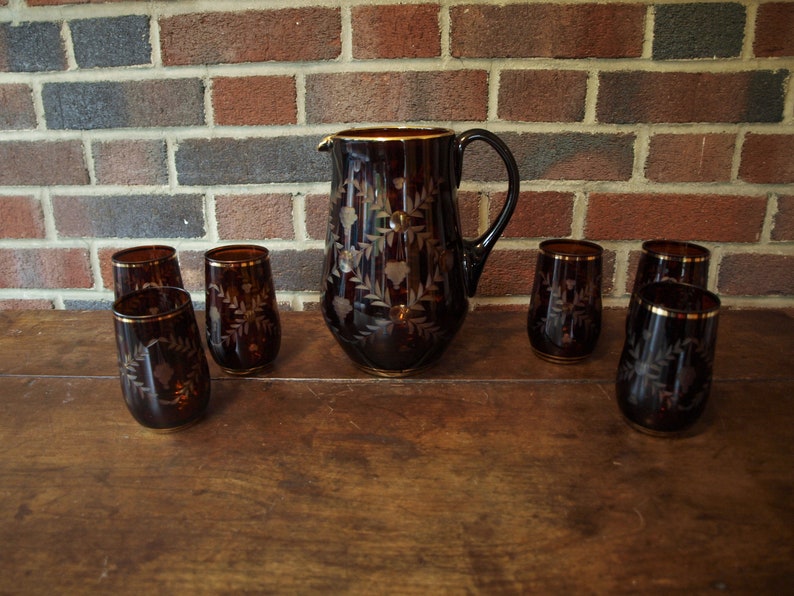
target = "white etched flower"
x: 347, y: 216
x: 163, y: 372
x: 396, y: 271
x: 342, y: 307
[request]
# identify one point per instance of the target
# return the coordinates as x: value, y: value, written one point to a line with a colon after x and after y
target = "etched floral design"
x: 347, y: 217
x: 158, y: 356
x: 649, y: 361
x: 342, y: 307
x: 408, y: 223
x: 397, y: 271
x: 247, y: 313
x: 569, y: 308
x: 379, y: 241
x: 163, y: 372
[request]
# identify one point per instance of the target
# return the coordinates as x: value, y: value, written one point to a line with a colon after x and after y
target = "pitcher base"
x: 395, y: 374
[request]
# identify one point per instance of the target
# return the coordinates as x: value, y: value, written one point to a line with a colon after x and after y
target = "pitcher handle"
x: 476, y: 251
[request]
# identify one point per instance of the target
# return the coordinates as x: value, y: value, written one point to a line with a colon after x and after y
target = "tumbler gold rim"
x: 213, y: 261
x: 131, y: 264
x: 152, y: 318
x: 679, y: 313
x: 704, y: 253
x: 595, y: 251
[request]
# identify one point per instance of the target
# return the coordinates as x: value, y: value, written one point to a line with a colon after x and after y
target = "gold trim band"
x: 666, y: 255
x: 704, y: 312
x: 679, y: 314
x: 557, y: 250
x: 391, y: 133
x: 153, y: 318
x: 263, y: 256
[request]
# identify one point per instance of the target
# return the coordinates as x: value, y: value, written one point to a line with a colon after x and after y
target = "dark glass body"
x: 672, y: 260
x: 664, y: 375
x: 243, y: 326
x: 143, y: 267
x: 564, y: 318
x: 397, y: 273
x: 164, y: 373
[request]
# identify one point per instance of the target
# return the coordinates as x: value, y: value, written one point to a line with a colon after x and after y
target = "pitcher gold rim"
x: 397, y: 133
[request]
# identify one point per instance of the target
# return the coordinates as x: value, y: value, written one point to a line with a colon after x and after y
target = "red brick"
x: 45, y: 268
x: 25, y: 304
x: 254, y: 100
x: 542, y: 95
x: 316, y: 208
x: 508, y: 272
x: 252, y: 36
x: 629, y: 96
x: 690, y: 158
x: 524, y: 30
x: 42, y: 163
x: 16, y: 107
x: 537, y: 215
x: 756, y: 275
x: 241, y: 217
x: 784, y: 219
x: 469, y: 213
x: 397, y: 96
x: 105, y: 265
x: 767, y: 159
x: 130, y: 162
x: 396, y: 31
x: 22, y: 218
x: 774, y: 30
x: 715, y: 218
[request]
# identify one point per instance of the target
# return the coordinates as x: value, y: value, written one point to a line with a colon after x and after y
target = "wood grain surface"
x: 492, y: 473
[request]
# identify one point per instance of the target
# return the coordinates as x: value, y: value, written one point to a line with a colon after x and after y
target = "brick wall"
x: 196, y: 123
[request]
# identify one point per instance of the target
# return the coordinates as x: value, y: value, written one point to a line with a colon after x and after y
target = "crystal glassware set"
x: 396, y: 279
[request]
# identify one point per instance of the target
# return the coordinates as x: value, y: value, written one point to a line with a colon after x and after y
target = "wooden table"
x: 494, y: 472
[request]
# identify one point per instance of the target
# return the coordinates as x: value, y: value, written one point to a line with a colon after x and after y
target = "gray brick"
x: 31, y: 47
x: 98, y: 304
x: 555, y: 156
x: 94, y: 105
x: 251, y: 161
x: 134, y: 216
x: 121, y: 41
x: 297, y: 270
x: 766, y: 96
x: 684, y: 31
